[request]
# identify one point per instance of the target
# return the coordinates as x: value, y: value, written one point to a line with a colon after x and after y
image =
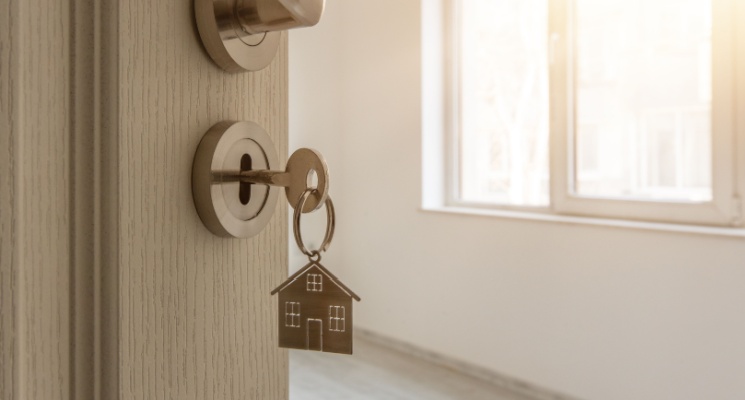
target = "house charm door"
x: 315, y: 307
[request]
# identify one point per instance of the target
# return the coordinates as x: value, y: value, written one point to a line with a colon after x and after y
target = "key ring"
x: 330, y: 225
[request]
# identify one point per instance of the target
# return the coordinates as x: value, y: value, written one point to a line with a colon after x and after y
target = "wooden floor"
x: 378, y: 373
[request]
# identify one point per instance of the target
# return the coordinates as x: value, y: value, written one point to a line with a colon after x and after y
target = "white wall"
x: 315, y: 102
x: 599, y: 313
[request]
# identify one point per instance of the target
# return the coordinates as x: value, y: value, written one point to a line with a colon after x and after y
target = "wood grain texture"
x: 35, y: 190
x: 44, y: 200
x: 196, y: 320
x: 8, y: 256
x: 85, y: 215
x: 102, y: 105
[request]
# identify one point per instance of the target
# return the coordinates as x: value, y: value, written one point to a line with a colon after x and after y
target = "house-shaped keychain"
x: 315, y: 311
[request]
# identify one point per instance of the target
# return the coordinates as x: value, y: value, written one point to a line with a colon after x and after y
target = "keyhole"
x: 311, y: 181
x: 244, y: 188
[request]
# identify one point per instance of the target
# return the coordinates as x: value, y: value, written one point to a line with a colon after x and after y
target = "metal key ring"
x: 330, y: 225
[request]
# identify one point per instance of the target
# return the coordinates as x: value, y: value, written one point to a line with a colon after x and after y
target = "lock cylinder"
x: 236, y: 174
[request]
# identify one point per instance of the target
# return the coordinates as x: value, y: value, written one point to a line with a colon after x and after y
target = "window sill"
x: 590, y: 221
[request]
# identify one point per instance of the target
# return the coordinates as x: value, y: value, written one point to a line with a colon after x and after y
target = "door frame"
x: 96, y: 198
x: 77, y: 272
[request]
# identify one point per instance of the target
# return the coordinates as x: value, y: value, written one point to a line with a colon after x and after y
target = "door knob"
x: 260, y: 16
x: 243, y: 35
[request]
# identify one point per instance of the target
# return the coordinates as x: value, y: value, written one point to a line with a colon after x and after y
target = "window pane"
x: 503, y: 101
x: 643, y: 99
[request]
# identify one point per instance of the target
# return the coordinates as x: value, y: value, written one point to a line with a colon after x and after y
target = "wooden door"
x: 110, y: 286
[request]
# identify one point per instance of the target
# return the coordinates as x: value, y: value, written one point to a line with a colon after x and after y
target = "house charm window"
x: 337, y: 320
x: 315, y: 283
x: 292, y: 314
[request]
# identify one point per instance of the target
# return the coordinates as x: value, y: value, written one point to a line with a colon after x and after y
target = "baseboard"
x: 521, y: 388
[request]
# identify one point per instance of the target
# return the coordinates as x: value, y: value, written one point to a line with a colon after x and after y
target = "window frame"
x: 292, y: 314
x: 314, y: 282
x: 724, y: 208
x: 335, y: 319
x: 728, y: 121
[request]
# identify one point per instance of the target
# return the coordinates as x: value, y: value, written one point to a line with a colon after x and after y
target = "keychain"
x: 315, y: 307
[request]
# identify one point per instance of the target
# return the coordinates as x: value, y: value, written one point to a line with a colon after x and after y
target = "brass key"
x: 302, y: 165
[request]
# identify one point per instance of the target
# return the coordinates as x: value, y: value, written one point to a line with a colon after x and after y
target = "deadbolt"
x: 243, y: 35
x: 236, y: 173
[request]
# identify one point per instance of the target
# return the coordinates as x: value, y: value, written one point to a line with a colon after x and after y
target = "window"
x: 501, y: 78
x: 292, y: 314
x: 608, y: 108
x: 642, y: 99
x: 314, y: 283
x: 337, y: 320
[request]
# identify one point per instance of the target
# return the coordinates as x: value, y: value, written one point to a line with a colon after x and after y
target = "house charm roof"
x: 323, y: 269
x: 315, y: 311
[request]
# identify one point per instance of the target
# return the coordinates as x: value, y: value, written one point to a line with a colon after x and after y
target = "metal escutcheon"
x: 235, y: 202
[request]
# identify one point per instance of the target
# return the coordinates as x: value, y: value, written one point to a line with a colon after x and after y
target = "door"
x: 110, y: 286
x: 314, y: 338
